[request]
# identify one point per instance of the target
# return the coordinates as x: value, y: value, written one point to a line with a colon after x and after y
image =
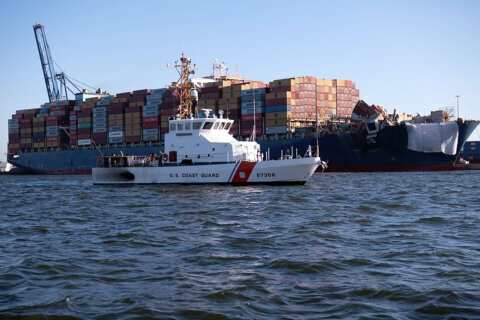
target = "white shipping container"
x: 115, y: 134
x: 84, y: 142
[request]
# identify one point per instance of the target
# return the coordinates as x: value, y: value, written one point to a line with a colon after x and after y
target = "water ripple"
x: 338, y: 247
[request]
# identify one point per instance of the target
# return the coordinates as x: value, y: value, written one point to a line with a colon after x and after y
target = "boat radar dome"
x: 194, y: 93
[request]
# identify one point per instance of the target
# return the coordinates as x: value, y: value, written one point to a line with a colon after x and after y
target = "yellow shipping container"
x: 130, y: 133
x: 208, y: 102
x: 278, y: 115
x: 331, y: 97
x: 92, y: 100
x: 283, y: 82
x: 223, y: 83
x: 116, y: 117
x: 132, y: 121
x: 120, y: 100
x: 132, y: 115
x: 277, y: 122
x: 42, y: 129
x: 278, y: 95
x: 14, y: 145
x: 116, y: 122
x: 340, y: 83
x: 39, y: 119
x: 136, y: 104
x: 84, y: 120
x: 26, y: 131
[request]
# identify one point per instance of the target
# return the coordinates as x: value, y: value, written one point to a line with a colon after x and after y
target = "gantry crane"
x: 54, y: 81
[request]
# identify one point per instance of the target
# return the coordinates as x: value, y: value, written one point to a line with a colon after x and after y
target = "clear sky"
x: 415, y: 56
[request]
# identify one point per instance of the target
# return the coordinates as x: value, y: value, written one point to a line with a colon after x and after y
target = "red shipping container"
x: 167, y: 111
x: 59, y: 108
x: 53, y: 139
x: 132, y: 138
x: 38, y: 139
x: 52, y: 118
x: 133, y: 109
x: 13, y: 150
x: 278, y: 102
x: 163, y: 130
x: 100, y: 140
x: 13, y: 139
x: 52, y: 123
x: 99, y: 135
x: 150, y: 119
x: 249, y: 131
x: 137, y: 98
x: 250, y: 117
x: 123, y: 95
x: 25, y: 145
x: 150, y: 125
x: 29, y: 116
x: 211, y: 95
x: 85, y: 113
x: 142, y: 92
x: 84, y: 130
x: 84, y: 136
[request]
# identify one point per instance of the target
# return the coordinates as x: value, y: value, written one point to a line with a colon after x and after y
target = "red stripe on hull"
x: 243, y: 172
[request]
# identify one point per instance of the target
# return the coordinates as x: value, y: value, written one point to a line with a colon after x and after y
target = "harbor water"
x: 344, y: 246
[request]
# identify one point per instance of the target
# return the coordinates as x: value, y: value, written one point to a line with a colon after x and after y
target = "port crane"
x: 56, y: 82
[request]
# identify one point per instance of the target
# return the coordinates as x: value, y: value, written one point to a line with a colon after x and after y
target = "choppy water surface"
x: 376, y: 245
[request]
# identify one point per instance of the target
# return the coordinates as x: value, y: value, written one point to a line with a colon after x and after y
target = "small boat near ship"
x: 200, y: 150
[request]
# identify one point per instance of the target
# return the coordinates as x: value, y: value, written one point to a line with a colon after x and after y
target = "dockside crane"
x: 54, y: 81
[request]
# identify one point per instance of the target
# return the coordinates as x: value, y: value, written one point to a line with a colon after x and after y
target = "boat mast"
x: 183, y: 87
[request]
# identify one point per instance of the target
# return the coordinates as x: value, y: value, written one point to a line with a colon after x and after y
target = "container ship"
x: 64, y: 137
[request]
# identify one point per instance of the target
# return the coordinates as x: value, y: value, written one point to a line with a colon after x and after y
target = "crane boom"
x: 47, y: 63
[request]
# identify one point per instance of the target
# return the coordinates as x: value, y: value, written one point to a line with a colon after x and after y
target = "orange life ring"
x: 165, y: 157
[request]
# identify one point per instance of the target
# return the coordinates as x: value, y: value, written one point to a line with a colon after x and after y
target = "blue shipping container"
x: 279, y: 108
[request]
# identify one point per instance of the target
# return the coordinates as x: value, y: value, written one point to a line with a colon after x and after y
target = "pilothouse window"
x: 188, y: 126
x: 207, y: 125
x: 197, y: 125
x: 216, y: 125
x: 227, y: 125
x: 220, y: 127
x: 180, y: 126
x: 172, y: 127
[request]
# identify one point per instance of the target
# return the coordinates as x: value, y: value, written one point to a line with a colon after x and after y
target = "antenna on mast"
x: 183, y: 87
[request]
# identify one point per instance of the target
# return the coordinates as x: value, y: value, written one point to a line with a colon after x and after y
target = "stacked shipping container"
x: 142, y: 115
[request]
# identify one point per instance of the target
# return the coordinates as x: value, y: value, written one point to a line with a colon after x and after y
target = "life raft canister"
x: 165, y: 157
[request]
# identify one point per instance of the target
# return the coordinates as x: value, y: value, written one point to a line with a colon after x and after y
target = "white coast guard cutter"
x: 199, y: 151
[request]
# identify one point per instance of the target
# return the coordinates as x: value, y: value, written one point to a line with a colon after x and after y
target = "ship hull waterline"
x: 289, y: 171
